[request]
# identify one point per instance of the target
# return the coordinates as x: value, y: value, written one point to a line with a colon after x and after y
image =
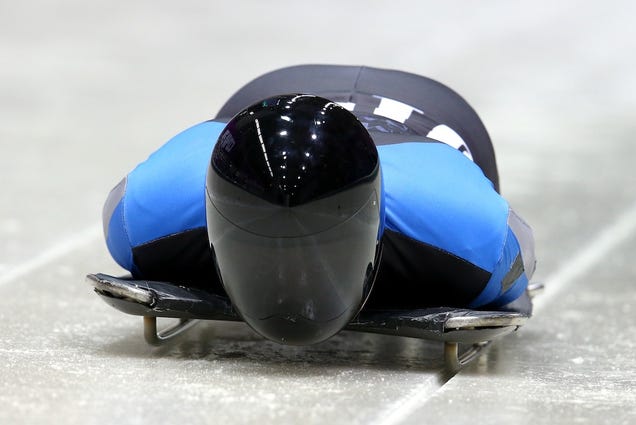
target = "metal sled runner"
x: 452, y: 326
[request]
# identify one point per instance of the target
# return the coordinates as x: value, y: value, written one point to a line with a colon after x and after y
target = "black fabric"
x: 182, y: 258
x: 414, y: 274
x: 411, y: 275
x: 438, y: 103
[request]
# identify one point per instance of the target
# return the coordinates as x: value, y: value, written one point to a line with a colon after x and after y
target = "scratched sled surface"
x: 87, y: 95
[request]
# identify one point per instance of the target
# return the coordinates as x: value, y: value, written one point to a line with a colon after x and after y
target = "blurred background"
x: 90, y: 89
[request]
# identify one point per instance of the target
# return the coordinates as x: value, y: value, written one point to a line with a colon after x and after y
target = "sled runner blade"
x: 455, y: 361
x: 157, y: 338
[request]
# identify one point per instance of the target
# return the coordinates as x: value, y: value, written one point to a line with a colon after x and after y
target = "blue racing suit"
x: 449, y: 238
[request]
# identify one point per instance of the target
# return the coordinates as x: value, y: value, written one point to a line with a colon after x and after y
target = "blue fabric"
x: 431, y: 191
x: 434, y: 194
x: 164, y: 194
x: 492, y: 294
x: 516, y: 290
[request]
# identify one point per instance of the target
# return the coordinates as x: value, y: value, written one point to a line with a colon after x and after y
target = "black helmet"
x: 293, y: 202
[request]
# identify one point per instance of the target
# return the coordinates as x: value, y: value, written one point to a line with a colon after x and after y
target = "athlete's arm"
x: 154, y: 219
x: 450, y: 238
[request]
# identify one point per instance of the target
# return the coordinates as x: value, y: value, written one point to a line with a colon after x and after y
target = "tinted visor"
x: 299, y: 274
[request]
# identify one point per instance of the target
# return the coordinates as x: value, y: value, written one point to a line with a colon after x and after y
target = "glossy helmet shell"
x: 293, y: 202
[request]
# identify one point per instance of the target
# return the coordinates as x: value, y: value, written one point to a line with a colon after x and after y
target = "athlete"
x: 319, y: 190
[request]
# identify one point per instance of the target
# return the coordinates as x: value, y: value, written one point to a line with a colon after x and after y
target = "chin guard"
x: 452, y: 326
